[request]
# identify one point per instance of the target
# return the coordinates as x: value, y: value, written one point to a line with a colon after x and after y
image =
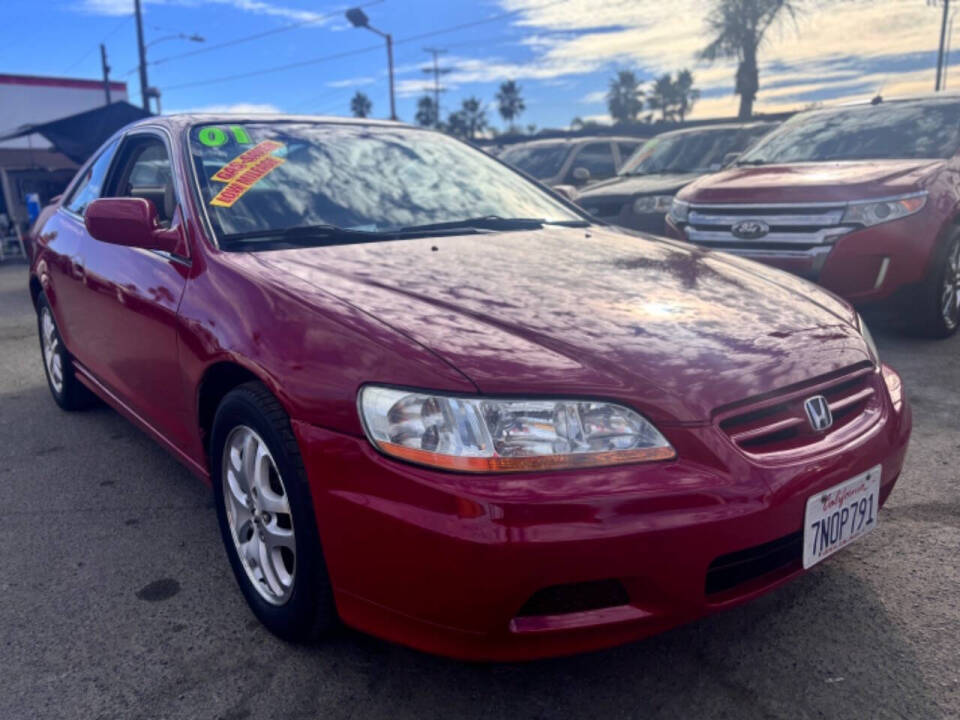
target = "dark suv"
x: 640, y: 196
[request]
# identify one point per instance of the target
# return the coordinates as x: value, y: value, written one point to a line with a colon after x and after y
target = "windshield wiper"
x: 741, y: 163
x: 306, y: 234
x: 484, y: 222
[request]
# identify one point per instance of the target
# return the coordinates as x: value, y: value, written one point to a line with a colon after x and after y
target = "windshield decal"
x: 245, y: 178
x: 212, y: 136
x: 232, y: 169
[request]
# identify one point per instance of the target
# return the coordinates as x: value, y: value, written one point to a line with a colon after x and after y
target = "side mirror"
x: 568, y: 191
x: 128, y: 221
x: 581, y: 175
x: 730, y: 158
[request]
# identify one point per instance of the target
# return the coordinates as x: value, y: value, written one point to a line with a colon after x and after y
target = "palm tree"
x: 360, y: 105
x: 687, y: 94
x: 624, y: 98
x: 738, y: 28
x: 474, y: 117
x: 426, y: 112
x: 663, y: 96
x: 509, y: 102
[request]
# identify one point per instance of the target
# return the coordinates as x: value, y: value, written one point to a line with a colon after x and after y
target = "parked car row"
x: 863, y: 199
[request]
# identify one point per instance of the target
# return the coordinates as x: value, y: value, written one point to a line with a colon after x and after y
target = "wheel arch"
x: 219, y: 379
x: 35, y: 289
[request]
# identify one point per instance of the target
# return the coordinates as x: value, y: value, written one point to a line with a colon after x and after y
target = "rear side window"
x: 91, y: 185
x: 597, y: 158
x: 626, y: 150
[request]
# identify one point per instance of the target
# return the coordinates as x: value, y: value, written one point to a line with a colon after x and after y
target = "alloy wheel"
x: 258, y: 513
x: 950, y: 291
x: 52, y: 350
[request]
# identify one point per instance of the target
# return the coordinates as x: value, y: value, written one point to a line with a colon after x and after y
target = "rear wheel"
x: 68, y: 392
x: 940, y: 294
x: 266, y: 515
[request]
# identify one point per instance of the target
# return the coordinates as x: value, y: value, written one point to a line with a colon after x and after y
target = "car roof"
x: 179, y: 121
x: 718, y: 126
x: 931, y: 98
x: 575, y: 140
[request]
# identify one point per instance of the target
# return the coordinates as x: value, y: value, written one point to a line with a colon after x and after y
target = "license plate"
x: 839, y: 515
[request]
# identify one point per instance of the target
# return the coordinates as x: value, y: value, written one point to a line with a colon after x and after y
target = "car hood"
x: 812, y: 182
x: 675, y: 330
x: 626, y: 186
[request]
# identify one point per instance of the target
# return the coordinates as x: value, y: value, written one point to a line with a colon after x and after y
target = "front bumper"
x: 444, y: 562
x: 864, y: 266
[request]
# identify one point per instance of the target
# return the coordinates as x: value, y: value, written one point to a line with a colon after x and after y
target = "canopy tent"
x: 78, y: 136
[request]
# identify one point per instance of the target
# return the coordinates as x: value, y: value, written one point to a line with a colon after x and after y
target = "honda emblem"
x: 818, y: 412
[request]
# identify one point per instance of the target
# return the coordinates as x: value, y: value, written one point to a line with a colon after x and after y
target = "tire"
x: 940, y: 292
x: 68, y: 392
x: 266, y: 516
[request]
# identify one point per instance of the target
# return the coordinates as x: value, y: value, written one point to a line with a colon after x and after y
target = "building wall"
x: 30, y: 99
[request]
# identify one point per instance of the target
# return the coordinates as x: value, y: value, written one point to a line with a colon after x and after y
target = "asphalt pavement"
x: 116, y: 600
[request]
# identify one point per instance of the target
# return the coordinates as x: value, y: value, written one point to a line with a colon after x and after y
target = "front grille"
x: 729, y: 571
x: 575, y: 597
x: 777, y: 422
x: 793, y: 229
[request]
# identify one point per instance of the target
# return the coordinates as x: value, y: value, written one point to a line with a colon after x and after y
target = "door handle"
x: 77, y: 271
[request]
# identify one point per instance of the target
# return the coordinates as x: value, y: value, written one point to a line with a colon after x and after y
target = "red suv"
x: 864, y: 199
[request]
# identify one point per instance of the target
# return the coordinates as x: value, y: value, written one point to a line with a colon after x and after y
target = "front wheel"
x: 941, y: 293
x: 266, y: 515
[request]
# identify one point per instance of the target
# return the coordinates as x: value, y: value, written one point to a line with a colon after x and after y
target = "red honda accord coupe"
x: 443, y: 405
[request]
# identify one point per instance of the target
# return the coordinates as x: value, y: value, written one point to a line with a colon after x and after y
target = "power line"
x: 90, y: 52
x: 256, y: 36
x: 349, y: 53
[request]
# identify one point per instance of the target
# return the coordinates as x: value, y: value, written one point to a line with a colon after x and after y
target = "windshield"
x: 257, y: 178
x: 874, y: 132
x: 687, y: 152
x: 540, y: 161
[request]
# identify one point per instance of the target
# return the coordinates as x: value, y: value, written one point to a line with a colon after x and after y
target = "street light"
x: 146, y: 92
x: 178, y: 36
x: 358, y: 18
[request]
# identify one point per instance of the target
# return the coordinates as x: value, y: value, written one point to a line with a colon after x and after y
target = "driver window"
x: 597, y: 158
x: 147, y: 174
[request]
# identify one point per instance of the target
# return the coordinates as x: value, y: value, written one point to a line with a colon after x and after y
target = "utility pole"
x: 393, y: 102
x: 144, y: 86
x: 358, y: 18
x: 106, y: 71
x: 943, y: 37
x: 436, y: 71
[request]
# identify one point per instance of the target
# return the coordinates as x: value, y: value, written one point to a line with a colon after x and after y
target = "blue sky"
x: 562, y: 52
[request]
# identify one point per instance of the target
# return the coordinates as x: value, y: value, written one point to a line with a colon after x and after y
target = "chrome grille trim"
x: 811, y: 227
x: 823, y: 236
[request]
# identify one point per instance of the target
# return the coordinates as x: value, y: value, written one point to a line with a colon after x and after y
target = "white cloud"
x: 352, y: 82
x: 592, y: 98
x: 585, y: 35
x: 257, y: 7
x: 235, y: 108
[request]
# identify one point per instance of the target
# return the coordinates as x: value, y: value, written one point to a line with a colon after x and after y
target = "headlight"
x: 506, y: 435
x: 679, y: 210
x: 646, y: 204
x: 868, y: 338
x: 874, y: 212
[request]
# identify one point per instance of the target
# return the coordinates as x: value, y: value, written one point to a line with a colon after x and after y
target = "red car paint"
x: 443, y: 561
x: 852, y: 269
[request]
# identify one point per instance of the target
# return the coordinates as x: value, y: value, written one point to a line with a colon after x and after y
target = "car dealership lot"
x: 117, y: 602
